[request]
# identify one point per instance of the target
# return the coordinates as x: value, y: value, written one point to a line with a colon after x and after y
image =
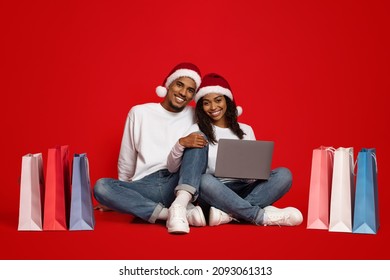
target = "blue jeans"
x: 245, y: 200
x: 145, y: 198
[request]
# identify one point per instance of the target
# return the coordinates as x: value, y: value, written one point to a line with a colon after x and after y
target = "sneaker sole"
x: 179, y: 230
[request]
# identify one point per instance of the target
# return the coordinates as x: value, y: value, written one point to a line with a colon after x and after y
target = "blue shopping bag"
x: 81, y: 208
x: 366, y: 214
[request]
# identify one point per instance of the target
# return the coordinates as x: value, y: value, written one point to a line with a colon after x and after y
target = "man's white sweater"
x: 150, y: 133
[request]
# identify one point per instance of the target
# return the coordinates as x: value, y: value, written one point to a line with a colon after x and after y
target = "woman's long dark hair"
x: 205, y: 123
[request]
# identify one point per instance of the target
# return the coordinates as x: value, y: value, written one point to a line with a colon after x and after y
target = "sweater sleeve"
x: 174, y: 157
x: 252, y: 134
x: 128, y: 153
x: 248, y: 130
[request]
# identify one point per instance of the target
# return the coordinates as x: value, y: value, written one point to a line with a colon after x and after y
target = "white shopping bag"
x: 342, y: 193
x: 31, y: 190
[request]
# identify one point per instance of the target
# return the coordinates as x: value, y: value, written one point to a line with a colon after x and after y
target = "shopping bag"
x: 342, y: 191
x: 81, y: 208
x: 366, y: 211
x: 57, y: 185
x: 31, y: 192
x: 320, y: 187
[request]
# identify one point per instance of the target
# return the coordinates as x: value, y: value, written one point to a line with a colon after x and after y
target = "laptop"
x: 244, y: 159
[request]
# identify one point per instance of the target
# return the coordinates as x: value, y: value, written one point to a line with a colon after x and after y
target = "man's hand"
x: 102, y: 208
x: 193, y: 140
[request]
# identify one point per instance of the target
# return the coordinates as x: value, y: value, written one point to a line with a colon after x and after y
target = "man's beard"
x: 176, y: 108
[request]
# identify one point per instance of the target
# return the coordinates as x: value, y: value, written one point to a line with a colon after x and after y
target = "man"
x: 145, y: 187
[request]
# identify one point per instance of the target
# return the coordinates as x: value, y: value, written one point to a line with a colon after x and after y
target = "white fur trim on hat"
x: 161, y: 91
x: 184, y: 73
x: 213, y: 89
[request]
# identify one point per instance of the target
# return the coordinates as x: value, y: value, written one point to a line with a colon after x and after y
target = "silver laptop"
x: 246, y: 159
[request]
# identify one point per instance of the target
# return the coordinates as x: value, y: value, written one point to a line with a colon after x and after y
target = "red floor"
x: 118, y: 236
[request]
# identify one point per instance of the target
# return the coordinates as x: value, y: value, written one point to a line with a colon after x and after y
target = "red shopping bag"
x: 57, y: 188
x: 320, y: 188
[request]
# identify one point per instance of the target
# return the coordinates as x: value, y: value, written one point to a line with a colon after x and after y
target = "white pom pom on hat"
x: 161, y: 91
x: 215, y: 83
x: 184, y: 69
x: 239, y: 110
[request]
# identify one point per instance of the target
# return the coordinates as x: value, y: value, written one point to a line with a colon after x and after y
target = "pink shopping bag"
x: 320, y: 187
x: 31, y: 191
x: 57, y: 185
x: 342, y: 191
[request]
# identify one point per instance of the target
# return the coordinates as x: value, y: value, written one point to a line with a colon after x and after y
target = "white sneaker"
x: 218, y: 217
x: 195, y: 216
x: 288, y: 216
x: 177, y: 220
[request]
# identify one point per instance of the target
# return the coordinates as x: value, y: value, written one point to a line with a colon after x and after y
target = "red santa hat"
x: 214, y: 83
x: 184, y: 69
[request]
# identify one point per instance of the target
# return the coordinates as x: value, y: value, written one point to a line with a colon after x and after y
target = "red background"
x: 307, y: 73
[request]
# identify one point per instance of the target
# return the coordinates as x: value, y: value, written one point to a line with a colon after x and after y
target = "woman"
x: 248, y: 200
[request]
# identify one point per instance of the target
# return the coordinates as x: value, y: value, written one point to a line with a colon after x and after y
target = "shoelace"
x: 277, y: 220
x: 176, y: 213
